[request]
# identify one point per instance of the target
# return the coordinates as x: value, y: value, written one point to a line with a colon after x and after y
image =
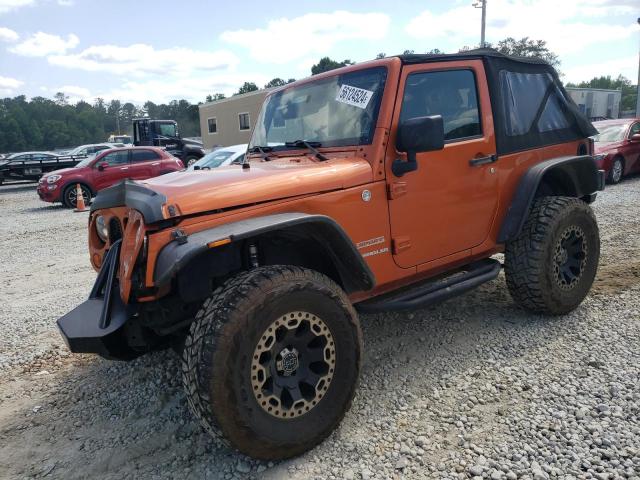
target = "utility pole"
x: 483, y: 5
x: 638, y: 86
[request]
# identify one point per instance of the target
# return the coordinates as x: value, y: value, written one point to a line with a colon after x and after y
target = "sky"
x: 160, y: 50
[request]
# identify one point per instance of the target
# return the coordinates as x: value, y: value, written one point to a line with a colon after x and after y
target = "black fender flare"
x: 349, y: 263
x: 578, y: 175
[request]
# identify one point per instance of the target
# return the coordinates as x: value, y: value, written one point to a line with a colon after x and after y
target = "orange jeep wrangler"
x: 386, y: 185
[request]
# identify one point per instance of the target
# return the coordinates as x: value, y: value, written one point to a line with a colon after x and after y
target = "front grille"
x: 115, y: 230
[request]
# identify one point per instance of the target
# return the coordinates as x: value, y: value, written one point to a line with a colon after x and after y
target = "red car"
x: 617, y: 147
x: 105, y: 169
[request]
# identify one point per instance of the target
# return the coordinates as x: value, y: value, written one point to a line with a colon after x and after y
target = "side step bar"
x: 433, y: 291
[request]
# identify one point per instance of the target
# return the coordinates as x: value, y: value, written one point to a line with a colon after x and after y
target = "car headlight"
x: 53, y: 178
x: 101, y: 228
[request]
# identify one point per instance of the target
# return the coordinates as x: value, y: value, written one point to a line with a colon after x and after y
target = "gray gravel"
x: 473, y: 388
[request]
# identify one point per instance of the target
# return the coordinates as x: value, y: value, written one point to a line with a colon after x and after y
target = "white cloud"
x: 287, y: 39
x: 42, y: 44
x: 192, y: 88
x: 621, y: 66
x: 8, y: 85
x: 66, y: 3
x: 140, y: 59
x: 561, y: 24
x: 8, y: 5
x: 8, y: 35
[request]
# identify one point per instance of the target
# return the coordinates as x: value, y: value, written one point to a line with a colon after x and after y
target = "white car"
x: 221, y: 157
x: 92, y: 149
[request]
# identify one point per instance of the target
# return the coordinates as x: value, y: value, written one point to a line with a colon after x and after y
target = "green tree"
x: 247, y: 87
x: 408, y: 52
x: 215, y: 96
x: 381, y: 55
x: 325, y: 64
x: 526, y: 47
x: 275, y: 82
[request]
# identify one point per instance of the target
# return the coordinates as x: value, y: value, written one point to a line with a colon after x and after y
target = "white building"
x: 597, y: 103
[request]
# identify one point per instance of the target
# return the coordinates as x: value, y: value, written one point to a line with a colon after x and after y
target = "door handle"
x: 124, y: 168
x: 476, y: 162
x: 154, y: 164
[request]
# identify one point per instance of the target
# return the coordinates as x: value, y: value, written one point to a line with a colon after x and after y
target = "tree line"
x: 46, y: 124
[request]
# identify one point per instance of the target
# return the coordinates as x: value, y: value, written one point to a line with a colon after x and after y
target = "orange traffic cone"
x: 80, y: 206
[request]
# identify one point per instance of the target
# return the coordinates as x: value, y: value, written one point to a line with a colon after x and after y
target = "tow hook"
x: 179, y: 236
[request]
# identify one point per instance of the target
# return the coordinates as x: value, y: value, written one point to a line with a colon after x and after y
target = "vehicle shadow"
x: 46, y: 206
x: 111, y: 419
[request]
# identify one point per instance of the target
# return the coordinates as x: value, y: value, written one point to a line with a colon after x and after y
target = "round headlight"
x: 53, y: 178
x: 101, y: 228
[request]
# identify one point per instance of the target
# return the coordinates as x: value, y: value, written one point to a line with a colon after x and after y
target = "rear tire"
x: 617, y: 169
x: 272, y: 360
x: 69, y: 195
x: 551, y: 265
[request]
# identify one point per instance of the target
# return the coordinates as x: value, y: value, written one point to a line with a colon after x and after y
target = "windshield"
x: 167, y: 129
x: 213, y: 159
x: 610, y: 133
x: 335, y: 111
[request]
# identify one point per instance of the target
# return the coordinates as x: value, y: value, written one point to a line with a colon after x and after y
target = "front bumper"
x: 97, y: 325
x: 48, y: 195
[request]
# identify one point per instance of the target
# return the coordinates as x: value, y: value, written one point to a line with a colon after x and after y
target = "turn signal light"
x: 218, y: 243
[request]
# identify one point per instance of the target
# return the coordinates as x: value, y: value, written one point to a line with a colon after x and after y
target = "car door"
x: 144, y: 164
x: 448, y: 204
x: 632, y: 153
x: 111, y: 168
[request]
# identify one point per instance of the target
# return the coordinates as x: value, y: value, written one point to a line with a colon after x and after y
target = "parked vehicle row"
x: 32, y: 165
x: 103, y: 170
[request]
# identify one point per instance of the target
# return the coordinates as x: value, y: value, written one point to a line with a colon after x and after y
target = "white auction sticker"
x: 357, y: 97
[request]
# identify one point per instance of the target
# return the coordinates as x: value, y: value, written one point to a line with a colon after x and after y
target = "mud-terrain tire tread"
x: 524, y: 257
x: 229, y: 302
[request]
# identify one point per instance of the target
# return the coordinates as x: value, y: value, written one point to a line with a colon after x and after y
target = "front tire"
x: 272, y: 360
x: 551, y: 265
x: 617, y: 169
x: 69, y: 196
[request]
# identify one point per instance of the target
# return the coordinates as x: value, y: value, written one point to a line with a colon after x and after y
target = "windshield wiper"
x: 310, y: 145
x: 261, y: 151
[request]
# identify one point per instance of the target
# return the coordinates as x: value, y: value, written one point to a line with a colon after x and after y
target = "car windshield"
x: 213, y: 159
x: 335, y: 111
x: 610, y: 133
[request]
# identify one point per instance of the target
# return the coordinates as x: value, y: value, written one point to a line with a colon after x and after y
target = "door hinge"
x: 396, y: 189
x: 401, y: 244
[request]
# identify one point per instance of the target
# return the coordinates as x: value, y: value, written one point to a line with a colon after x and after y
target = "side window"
x: 143, y: 155
x: 452, y: 94
x: 238, y: 160
x: 213, y: 125
x: 532, y: 102
x: 116, y: 158
x: 635, y: 128
x: 245, y: 122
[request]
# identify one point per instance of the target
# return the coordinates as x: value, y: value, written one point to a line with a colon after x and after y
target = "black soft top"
x: 530, y: 106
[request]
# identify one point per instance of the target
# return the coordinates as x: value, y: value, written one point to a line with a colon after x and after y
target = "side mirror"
x: 635, y: 138
x: 102, y: 166
x: 415, y: 135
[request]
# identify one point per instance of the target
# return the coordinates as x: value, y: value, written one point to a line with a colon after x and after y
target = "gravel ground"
x: 474, y: 387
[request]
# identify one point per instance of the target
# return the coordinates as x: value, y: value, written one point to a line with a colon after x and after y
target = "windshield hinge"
x: 396, y: 189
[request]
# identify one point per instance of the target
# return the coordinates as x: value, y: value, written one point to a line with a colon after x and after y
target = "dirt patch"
x: 616, y: 277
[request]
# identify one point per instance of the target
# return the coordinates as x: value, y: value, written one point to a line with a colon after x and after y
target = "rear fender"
x: 567, y: 176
